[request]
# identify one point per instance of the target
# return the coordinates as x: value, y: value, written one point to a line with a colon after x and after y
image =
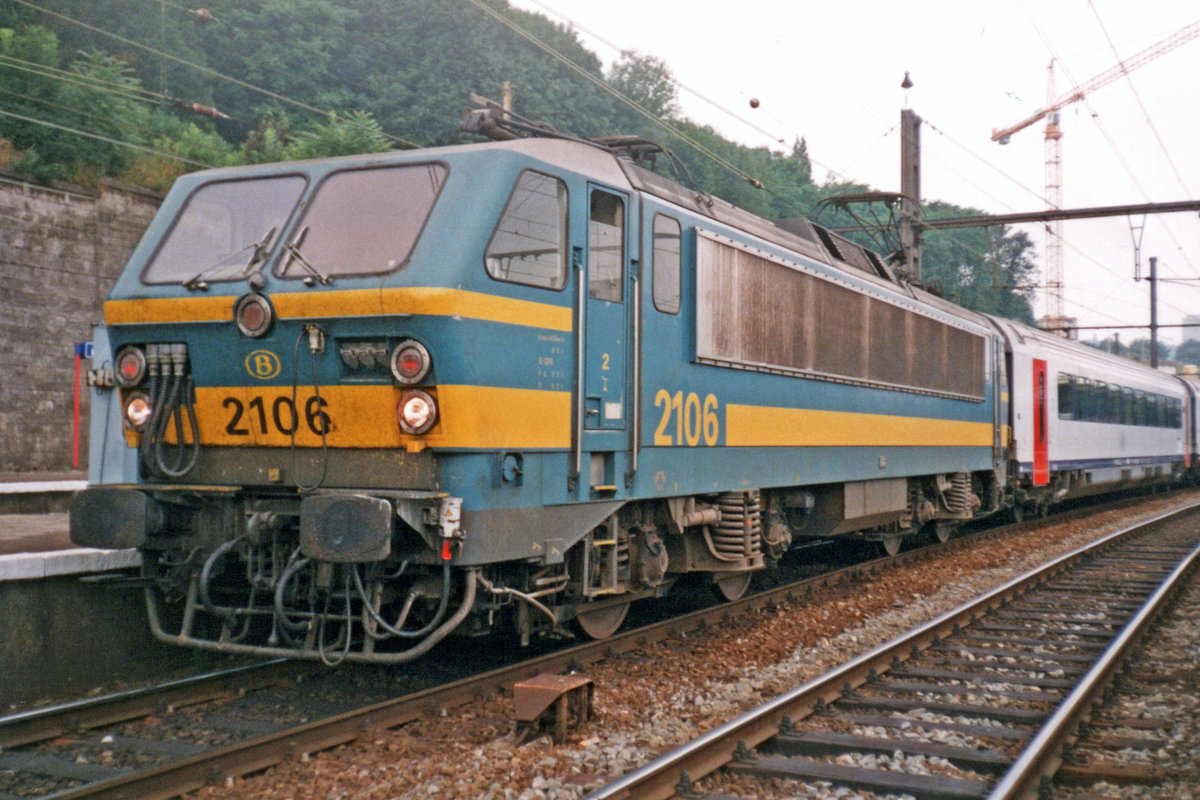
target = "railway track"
x: 164, y: 741
x: 979, y: 702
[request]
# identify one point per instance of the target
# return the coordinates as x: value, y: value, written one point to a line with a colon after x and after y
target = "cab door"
x: 605, y: 385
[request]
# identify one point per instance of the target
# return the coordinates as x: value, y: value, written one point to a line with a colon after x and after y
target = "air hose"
x: 171, y: 391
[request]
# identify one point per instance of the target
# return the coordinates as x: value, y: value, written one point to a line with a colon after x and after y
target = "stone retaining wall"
x: 60, y: 252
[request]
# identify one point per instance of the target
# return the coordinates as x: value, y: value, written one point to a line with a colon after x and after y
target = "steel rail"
x: 1042, y: 756
x: 252, y: 755
x: 45, y: 723
x: 716, y: 748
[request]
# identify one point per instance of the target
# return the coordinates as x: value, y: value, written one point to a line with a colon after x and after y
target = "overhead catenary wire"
x: 1096, y: 119
x: 1067, y: 242
x: 51, y: 104
x: 616, y: 47
x: 600, y: 82
x: 135, y: 94
x: 89, y: 81
x: 633, y: 56
x: 1141, y: 105
x: 108, y: 139
x: 740, y: 172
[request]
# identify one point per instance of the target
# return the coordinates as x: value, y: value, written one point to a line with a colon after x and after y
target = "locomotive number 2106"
x: 281, y: 418
x: 694, y: 422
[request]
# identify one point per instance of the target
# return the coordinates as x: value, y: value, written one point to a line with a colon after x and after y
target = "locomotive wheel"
x: 942, y: 532
x: 732, y: 587
x: 601, y: 623
x: 890, y: 545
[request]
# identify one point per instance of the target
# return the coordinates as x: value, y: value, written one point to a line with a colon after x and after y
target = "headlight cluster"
x: 131, y: 367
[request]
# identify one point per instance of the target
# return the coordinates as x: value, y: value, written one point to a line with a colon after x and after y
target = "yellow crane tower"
x: 1053, y: 136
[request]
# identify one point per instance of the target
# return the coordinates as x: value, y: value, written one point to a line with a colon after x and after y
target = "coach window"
x: 1066, y: 396
x: 529, y: 244
x: 1083, y: 401
x: 1100, y: 401
x: 667, y: 262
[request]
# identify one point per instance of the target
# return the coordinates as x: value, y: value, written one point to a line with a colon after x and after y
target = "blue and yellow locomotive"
x: 347, y: 407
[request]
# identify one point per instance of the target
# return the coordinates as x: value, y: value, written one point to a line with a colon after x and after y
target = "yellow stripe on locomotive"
x: 469, y: 417
x: 429, y: 301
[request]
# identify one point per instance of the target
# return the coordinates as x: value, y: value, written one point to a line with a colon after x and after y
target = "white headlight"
x: 137, y: 411
x: 417, y: 412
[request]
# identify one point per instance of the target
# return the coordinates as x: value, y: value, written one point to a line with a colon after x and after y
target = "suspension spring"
x: 739, y: 533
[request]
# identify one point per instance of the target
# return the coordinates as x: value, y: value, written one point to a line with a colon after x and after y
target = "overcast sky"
x: 831, y: 72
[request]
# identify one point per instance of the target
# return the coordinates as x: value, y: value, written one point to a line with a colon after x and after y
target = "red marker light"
x: 253, y: 315
x: 131, y: 367
x: 410, y: 362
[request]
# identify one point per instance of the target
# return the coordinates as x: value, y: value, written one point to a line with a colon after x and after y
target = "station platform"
x: 37, y: 545
x: 37, y: 492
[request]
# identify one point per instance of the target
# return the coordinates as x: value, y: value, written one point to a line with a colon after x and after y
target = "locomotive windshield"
x: 363, y: 222
x: 221, y: 229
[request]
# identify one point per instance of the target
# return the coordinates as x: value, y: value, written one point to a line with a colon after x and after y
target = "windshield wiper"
x: 293, y: 249
x: 253, y: 268
x: 258, y: 253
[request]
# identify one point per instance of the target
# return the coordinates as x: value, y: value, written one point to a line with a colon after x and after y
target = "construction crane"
x: 1053, y: 135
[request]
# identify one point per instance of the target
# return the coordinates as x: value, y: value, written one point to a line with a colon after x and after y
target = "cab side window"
x: 529, y: 244
x: 667, y: 261
x: 606, y: 242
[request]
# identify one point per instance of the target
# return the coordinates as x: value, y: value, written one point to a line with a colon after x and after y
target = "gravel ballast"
x: 669, y: 693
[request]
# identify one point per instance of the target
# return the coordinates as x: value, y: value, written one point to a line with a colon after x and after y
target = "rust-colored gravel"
x: 670, y: 692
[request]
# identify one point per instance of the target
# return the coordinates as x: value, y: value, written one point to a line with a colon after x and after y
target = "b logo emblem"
x: 262, y: 364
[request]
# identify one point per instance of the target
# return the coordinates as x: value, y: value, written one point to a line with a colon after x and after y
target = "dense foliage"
x: 96, y: 90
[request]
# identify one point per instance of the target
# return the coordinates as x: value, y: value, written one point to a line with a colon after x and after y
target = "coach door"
x: 999, y: 405
x: 1041, y: 425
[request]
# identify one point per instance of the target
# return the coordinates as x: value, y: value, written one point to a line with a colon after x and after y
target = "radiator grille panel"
x: 755, y: 313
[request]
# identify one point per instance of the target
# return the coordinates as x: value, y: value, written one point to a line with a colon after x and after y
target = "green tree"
x: 353, y: 132
x: 647, y: 81
x: 96, y: 95
x: 1137, y: 350
x: 1188, y: 352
